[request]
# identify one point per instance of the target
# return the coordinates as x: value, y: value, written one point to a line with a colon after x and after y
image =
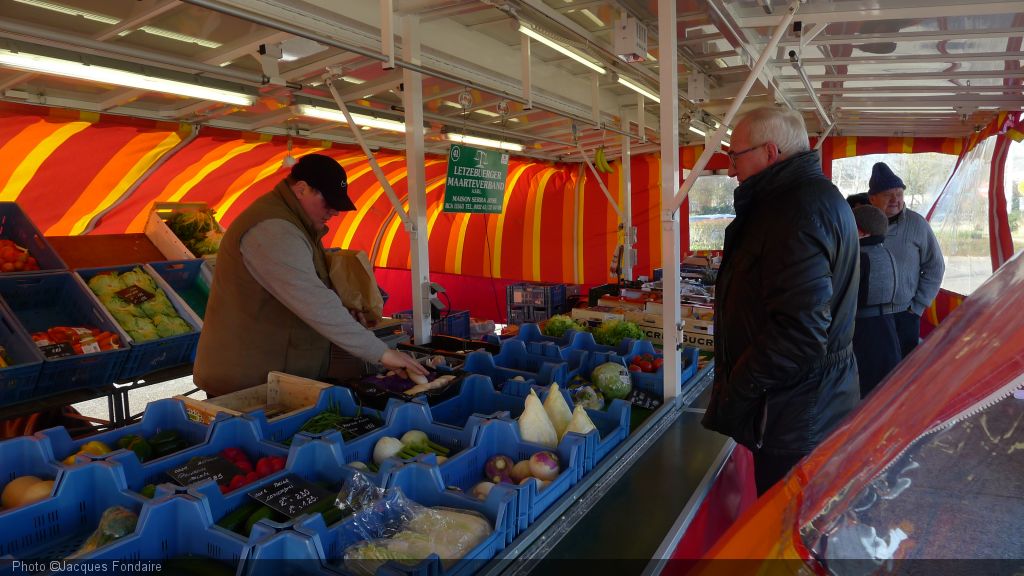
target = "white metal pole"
x: 737, y: 101
x: 669, y: 86
x: 414, y: 161
x: 527, y: 71
x: 794, y: 59
x: 387, y: 33
x: 628, y: 258
x: 821, y: 139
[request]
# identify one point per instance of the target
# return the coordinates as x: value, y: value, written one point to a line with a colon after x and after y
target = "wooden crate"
x: 283, y: 395
x: 160, y: 234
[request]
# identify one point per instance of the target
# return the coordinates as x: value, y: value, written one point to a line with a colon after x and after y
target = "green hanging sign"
x: 476, y: 180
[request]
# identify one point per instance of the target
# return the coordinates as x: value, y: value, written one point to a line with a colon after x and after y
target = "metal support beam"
x: 901, y: 59
x: 387, y: 33
x: 527, y: 71
x: 824, y: 135
x: 795, y: 60
x: 412, y: 100
x: 626, y: 186
x: 385, y: 82
x: 329, y: 80
x: 670, y: 256
x: 730, y: 115
x: 827, y: 12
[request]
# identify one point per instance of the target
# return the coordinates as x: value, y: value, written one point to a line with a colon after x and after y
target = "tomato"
x: 658, y: 363
x: 634, y: 368
x: 644, y: 365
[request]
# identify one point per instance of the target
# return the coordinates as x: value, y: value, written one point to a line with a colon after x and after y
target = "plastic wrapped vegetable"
x: 557, y: 409
x: 588, y: 397
x: 396, y: 528
x: 534, y: 424
x: 138, y: 277
x: 105, y: 285
x: 159, y: 305
x: 167, y: 326
x: 140, y: 329
x: 116, y: 522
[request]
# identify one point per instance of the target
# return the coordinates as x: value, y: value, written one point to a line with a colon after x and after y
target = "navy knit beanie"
x: 883, y: 179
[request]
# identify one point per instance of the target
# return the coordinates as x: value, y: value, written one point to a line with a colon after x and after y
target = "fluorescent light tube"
x: 54, y: 7
x: 639, y: 89
x: 77, y: 70
x: 697, y: 131
x: 476, y: 141
x: 361, y: 120
x: 486, y: 113
x: 559, y: 48
x: 175, y: 36
x: 592, y: 18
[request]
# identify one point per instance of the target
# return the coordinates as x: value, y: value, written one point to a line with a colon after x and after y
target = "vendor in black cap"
x: 272, y: 306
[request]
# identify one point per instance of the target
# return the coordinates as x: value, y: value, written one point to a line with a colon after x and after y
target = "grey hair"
x: 784, y: 127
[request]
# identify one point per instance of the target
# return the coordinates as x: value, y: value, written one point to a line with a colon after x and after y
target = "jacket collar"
x: 286, y: 194
x: 776, y: 178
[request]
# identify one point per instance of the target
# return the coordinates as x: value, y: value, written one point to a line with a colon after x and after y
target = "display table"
x: 116, y: 393
x: 650, y: 486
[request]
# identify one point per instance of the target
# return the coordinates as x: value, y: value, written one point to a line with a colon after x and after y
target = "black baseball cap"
x: 325, y: 175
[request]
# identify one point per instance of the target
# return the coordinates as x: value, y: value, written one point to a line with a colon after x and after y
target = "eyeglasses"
x: 734, y: 155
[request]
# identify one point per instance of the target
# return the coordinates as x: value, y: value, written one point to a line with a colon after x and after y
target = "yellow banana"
x: 598, y: 154
x: 604, y: 160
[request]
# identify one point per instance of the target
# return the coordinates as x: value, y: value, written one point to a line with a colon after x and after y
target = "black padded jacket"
x: 786, y: 300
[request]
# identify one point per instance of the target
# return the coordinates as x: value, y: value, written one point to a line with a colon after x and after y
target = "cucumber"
x: 263, y: 512
x: 234, y: 520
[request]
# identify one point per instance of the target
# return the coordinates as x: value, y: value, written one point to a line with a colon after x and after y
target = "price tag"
x: 202, y: 467
x: 356, y: 427
x: 135, y: 295
x: 61, y: 350
x: 292, y: 496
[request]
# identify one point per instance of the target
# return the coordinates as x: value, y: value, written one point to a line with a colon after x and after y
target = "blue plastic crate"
x: 175, y: 529
x: 653, y: 382
x: 403, y: 418
x: 188, y: 280
x: 43, y: 301
x: 15, y: 225
x: 146, y: 357
x: 502, y: 438
x: 302, y: 553
x: 56, y: 527
x: 584, y: 342
x: 535, y: 341
x: 318, y: 461
x: 612, y: 423
x: 225, y: 433
x: 454, y: 324
x: 477, y: 397
x: 423, y: 485
x: 282, y: 429
x: 18, y: 381
x: 513, y: 360
x: 160, y: 416
x: 26, y: 456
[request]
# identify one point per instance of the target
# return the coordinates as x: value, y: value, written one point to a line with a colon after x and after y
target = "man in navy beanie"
x: 917, y: 253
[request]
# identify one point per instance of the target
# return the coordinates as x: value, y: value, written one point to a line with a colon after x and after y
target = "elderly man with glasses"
x: 786, y: 297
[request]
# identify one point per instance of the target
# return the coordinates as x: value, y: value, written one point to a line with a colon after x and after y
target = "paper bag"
x: 353, y: 280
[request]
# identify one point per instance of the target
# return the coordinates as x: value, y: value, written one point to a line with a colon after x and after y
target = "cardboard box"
x: 649, y: 324
x: 696, y: 333
x: 283, y: 395
x: 596, y: 315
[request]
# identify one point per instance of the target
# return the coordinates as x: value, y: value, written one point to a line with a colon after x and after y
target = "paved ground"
x: 137, y: 399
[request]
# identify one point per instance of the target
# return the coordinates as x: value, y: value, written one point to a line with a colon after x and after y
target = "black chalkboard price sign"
x: 292, y: 496
x: 202, y: 467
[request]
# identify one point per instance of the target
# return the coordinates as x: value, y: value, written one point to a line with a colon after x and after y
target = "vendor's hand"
x: 401, y: 363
